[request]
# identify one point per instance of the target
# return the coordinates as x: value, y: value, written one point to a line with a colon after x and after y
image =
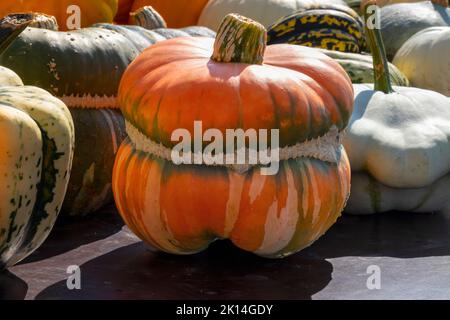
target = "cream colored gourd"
x: 36, y: 151
x: 398, y: 143
x: 383, y: 3
x: 265, y: 12
x: 9, y: 77
x: 425, y: 59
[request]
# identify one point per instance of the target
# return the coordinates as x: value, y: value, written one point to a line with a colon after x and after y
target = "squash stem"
x: 240, y: 40
x: 380, y: 64
x: 11, y: 26
x: 148, y: 18
x: 44, y: 21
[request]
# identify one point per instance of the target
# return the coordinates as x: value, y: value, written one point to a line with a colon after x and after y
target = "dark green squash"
x: 83, y: 68
x: 150, y: 28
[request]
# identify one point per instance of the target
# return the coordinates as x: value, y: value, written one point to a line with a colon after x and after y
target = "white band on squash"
x: 88, y: 101
x: 325, y: 148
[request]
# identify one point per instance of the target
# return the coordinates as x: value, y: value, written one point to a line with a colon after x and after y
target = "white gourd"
x: 425, y: 59
x: 265, y: 12
x: 398, y: 143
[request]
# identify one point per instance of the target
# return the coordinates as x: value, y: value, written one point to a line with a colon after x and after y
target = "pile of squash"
x: 87, y: 115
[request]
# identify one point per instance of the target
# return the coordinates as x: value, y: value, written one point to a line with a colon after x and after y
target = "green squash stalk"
x: 148, y: 18
x: 44, y: 21
x: 380, y: 63
x: 240, y: 39
x: 11, y: 26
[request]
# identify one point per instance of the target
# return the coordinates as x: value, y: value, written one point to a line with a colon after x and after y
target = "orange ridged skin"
x: 91, y: 11
x: 177, y: 13
x: 182, y: 209
x: 298, y: 90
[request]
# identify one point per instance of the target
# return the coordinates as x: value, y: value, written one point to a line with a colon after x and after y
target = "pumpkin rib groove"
x: 295, y: 89
x: 139, y: 80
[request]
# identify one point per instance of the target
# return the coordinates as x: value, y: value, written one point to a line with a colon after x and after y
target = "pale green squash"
x: 36, y: 150
x: 398, y: 143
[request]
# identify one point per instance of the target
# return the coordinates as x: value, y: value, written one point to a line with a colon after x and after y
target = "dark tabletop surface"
x: 412, y: 252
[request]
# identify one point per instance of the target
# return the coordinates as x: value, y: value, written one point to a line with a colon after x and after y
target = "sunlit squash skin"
x: 398, y: 143
x: 181, y: 209
x: 91, y: 11
x: 326, y: 87
x: 425, y: 59
x: 20, y: 129
x: 36, y: 151
x: 401, y: 21
x: 63, y: 64
x: 143, y: 38
x: 265, y: 12
x: 35, y: 169
x: 398, y: 147
x: 9, y: 77
x: 271, y: 216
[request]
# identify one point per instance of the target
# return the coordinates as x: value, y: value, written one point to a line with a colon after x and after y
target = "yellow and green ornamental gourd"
x: 326, y: 26
x: 36, y: 150
x: 336, y: 31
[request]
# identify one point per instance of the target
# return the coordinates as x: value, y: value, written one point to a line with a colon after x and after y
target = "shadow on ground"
x: 221, y: 272
x: 12, y: 287
x: 393, y: 234
x: 71, y: 233
x: 225, y: 272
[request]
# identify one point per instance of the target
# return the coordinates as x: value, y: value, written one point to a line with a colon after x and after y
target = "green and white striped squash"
x: 83, y: 68
x: 9, y: 77
x: 36, y: 150
x: 359, y: 67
